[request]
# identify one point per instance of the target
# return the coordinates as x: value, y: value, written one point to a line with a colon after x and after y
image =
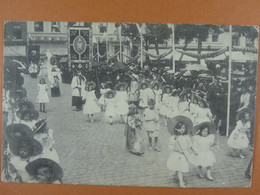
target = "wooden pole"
x: 98, y: 48
x: 229, y: 79
x: 141, y: 35
x: 173, y: 48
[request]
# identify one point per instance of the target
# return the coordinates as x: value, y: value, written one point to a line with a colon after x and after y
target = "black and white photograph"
x: 129, y: 104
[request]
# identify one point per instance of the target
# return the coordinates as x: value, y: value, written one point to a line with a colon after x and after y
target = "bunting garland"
x: 132, y: 58
x: 245, y: 49
x: 205, y: 55
x: 158, y: 57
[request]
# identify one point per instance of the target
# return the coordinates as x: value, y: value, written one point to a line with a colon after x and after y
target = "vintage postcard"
x: 129, y: 104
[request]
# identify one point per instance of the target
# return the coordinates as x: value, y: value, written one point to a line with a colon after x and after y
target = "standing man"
x: 78, y: 87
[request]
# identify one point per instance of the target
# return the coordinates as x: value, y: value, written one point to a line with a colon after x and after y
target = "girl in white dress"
x: 91, y: 107
x: 166, y: 110
x: 174, y: 98
x: 145, y: 94
x: 101, y: 100
x: 156, y: 87
x: 194, y: 106
x: 203, y: 142
x: 238, y: 139
x: 122, y: 101
x: 110, y: 102
x: 45, y: 136
x: 151, y: 124
x: 181, y: 146
x: 203, y: 113
x: 42, y: 96
x: 22, y: 149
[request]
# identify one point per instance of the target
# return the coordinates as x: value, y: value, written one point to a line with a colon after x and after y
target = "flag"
x: 170, y: 26
x: 142, y: 28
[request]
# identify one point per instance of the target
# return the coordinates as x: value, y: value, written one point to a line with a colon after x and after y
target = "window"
x: 215, y: 38
x: 235, y: 41
x: 55, y: 27
x: 38, y: 26
x: 17, y: 32
x: 102, y: 27
x: 249, y: 42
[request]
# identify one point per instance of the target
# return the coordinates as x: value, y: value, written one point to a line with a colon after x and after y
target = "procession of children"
x: 141, y: 104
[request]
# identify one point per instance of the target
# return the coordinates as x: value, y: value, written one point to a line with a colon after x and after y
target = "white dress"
x: 177, y: 161
x: 158, y: 98
x: 151, y: 115
x: 194, y: 110
x: 122, y: 103
x: 145, y: 95
x: 174, y: 104
x: 203, y: 115
x: 19, y: 164
x: 202, y: 145
x: 47, y: 141
x: 101, y: 100
x: 91, y: 106
x: 238, y: 138
x: 42, y: 96
x: 166, y: 106
x: 110, y: 107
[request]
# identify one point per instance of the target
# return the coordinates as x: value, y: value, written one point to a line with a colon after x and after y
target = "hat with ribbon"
x: 113, y: 92
x: 18, y: 142
x: 179, y: 119
x: 55, y: 169
x: 211, y: 126
x: 18, y: 130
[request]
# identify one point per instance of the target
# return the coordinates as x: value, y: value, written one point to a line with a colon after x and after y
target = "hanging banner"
x: 80, y: 47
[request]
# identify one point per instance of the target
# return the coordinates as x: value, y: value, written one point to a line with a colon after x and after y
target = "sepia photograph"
x: 129, y: 104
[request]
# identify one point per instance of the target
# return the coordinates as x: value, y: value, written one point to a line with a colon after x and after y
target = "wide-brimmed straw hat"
x: 18, y: 142
x: 211, y: 126
x: 25, y: 104
x: 23, y: 129
x: 113, y: 92
x: 164, y: 88
x: 241, y: 113
x: 124, y: 84
x: 180, y: 118
x: 34, y: 114
x: 32, y: 167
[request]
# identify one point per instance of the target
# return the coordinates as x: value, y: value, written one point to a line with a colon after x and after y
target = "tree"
x: 247, y: 31
x: 189, y: 32
x: 154, y: 34
x: 157, y: 34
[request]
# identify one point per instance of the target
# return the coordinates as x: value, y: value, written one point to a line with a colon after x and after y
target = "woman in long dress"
x: 133, y: 131
x: 55, y: 80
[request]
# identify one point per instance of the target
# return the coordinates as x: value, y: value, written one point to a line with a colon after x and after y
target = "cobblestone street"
x: 95, y: 153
